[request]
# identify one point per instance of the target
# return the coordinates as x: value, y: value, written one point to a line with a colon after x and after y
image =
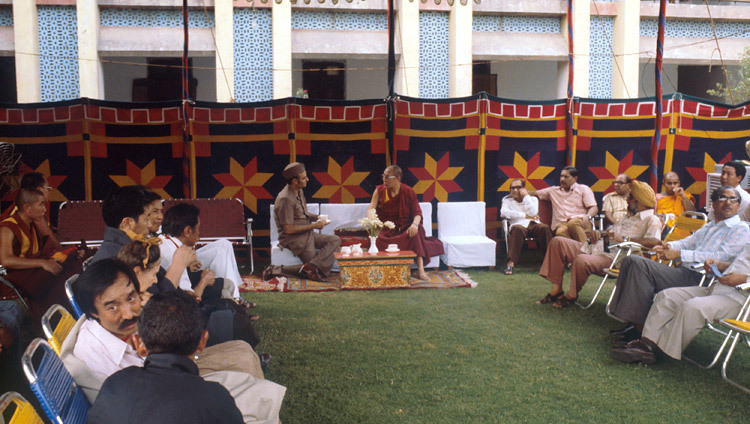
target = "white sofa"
x: 462, y: 229
x: 341, y: 215
x: 280, y: 255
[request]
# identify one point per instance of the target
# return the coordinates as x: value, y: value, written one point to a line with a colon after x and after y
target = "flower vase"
x: 373, y: 250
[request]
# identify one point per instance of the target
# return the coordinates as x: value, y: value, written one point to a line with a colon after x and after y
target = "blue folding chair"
x: 62, y: 400
x: 77, y: 312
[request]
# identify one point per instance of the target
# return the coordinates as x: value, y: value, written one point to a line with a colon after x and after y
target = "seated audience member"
x: 297, y: 230
x: 181, y: 226
x: 126, y: 212
x: 167, y: 388
x: 679, y: 313
x: 156, y: 218
x: 573, y: 205
x: 615, y: 204
x: 397, y: 202
x: 36, y: 180
x: 11, y: 317
x: 523, y: 212
x: 640, y: 226
x: 675, y: 200
x: 226, y: 320
x: 732, y: 175
x: 101, y: 342
x: 35, y: 264
x: 640, y: 278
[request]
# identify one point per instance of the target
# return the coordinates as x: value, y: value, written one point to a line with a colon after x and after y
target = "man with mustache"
x: 640, y: 225
x: 573, y: 205
x: 641, y: 278
x: 102, y: 343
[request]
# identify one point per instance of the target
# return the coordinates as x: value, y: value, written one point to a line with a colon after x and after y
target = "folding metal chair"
x: 686, y: 224
x: 57, y: 323
x: 740, y: 329
x: 624, y: 249
x: 4, y: 281
x: 77, y: 312
x: 15, y: 409
x: 727, y: 335
x: 62, y: 400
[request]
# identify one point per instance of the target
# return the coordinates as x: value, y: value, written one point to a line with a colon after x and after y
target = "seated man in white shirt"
x: 181, y: 225
x: 523, y: 212
x: 101, y: 343
x: 679, y: 313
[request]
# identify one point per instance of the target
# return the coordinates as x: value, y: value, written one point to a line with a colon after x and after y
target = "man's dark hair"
x: 739, y: 168
x: 27, y: 196
x: 151, y: 197
x: 171, y: 322
x: 571, y: 170
x: 32, y: 180
x: 716, y: 193
x: 523, y: 182
x: 178, y: 217
x: 125, y: 202
x: 96, y: 279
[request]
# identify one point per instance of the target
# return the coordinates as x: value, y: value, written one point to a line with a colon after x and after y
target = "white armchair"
x: 462, y: 229
x: 427, y: 216
x: 279, y: 255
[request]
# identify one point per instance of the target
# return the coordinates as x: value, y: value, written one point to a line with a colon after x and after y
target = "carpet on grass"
x: 448, y: 279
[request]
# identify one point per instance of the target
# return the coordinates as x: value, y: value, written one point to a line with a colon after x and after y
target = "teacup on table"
x: 346, y: 250
x: 392, y: 248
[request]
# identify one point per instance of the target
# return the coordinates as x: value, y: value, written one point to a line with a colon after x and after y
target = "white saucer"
x: 392, y: 251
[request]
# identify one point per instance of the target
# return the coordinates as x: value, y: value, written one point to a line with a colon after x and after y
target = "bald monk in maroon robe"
x: 397, y: 202
x: 35, y: 264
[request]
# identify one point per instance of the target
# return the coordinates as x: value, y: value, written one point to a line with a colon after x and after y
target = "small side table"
x: 382, y: 270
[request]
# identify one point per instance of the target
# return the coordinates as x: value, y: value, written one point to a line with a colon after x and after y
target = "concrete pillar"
x: 625, y: 70
x: 407, y: 35
x: 224, y: 18
x: 581, y: 34
x: 90, y: 76
x: 26, y: 37
x: 281, y: 34
x: 460, y: 70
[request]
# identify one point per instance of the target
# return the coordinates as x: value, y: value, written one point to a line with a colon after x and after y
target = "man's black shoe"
x: 265, y: 360
x: 268, y: 273
x: 635, y: 351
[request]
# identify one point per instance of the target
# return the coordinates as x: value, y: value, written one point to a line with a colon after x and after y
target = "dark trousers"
x: 640, y: 279
x: 518, y: 233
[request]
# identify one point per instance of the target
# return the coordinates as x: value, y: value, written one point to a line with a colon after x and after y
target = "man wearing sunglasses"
x: 523, y: 212
x: 641, y: 278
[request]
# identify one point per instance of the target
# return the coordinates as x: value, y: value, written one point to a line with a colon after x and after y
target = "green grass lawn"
x: 481, y: 355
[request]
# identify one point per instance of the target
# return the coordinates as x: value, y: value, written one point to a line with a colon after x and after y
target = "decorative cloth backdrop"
x: 450, y: 150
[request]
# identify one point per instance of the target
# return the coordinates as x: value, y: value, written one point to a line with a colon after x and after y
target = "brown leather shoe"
x: 311, y: 272
x: 635, y: 351
x: 268, y: 273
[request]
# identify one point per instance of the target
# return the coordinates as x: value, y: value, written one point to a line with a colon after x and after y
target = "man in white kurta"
x: 217, y: 256
x: 181, y: 225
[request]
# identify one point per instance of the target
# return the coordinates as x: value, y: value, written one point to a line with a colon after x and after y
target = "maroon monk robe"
x: 401, y: 210
x: 41, y: 288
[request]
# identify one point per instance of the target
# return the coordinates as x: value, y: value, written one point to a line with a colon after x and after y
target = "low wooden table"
x: 382, y: 270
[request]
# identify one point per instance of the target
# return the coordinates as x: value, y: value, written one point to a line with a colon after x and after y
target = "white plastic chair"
x: 462, y: 229
x: 279, y: 255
